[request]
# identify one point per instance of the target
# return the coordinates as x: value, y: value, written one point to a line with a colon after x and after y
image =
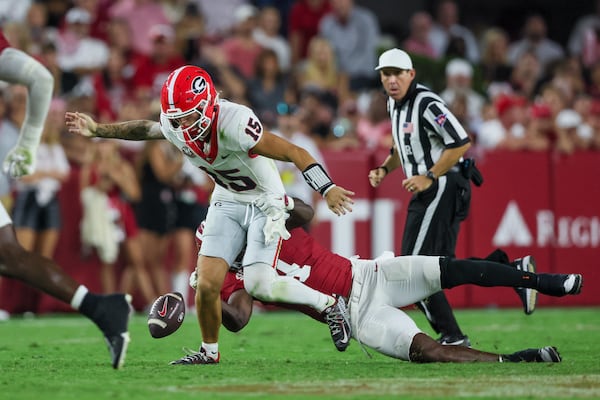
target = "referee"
x: 429, y: 143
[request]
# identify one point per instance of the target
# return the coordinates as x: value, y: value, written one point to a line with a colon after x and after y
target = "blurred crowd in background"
x: 306, y: 67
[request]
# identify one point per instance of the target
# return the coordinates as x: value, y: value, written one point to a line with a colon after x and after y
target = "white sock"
x: 212, y: 349
x: 78, y: 297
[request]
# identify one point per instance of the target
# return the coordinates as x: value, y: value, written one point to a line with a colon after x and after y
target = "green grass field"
x: 289, y: 355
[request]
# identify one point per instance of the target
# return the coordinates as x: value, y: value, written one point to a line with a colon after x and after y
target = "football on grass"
x: 166, y: 315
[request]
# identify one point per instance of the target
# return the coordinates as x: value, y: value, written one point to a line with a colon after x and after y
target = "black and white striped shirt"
x: 423, y: 127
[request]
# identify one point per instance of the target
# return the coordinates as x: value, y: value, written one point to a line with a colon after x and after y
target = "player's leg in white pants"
x: 388, y: 330
x: 264, y: 283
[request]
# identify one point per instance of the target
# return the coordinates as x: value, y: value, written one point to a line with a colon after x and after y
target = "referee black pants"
x: 432, y: 226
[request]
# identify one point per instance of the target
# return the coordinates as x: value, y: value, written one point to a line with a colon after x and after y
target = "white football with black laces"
x: 166, y: 314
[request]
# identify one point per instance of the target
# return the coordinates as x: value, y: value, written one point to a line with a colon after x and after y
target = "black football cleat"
x: 528, y: 296
x: 112, y: 317
x: 545, y: 354
x: 336, y: 317
x: 454, y: 340
x: 560, y: 284
x: 195, y: 358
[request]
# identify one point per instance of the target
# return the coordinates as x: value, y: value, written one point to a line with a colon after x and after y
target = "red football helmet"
x: 188, y: 99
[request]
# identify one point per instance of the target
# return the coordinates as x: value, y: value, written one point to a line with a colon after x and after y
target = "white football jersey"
x: 239, y: 175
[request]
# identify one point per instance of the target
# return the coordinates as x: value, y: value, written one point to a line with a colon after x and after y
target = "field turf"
x: 288, y: 355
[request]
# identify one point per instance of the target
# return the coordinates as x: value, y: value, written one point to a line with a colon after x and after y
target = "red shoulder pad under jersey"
x: 315, y: 266
x: 233, y: 282
x: 3, y: 41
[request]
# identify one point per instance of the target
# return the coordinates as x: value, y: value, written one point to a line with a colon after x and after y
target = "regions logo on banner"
x: 564, y: 231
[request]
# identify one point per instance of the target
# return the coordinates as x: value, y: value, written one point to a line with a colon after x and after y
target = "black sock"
x: 455, y: 272
x: 519, y: 356
x: 89, y: 305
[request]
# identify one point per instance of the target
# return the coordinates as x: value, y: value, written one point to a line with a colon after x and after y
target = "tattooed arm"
x: 84, y: 125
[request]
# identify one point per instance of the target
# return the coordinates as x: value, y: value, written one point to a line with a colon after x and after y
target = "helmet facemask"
x: 199, y: 128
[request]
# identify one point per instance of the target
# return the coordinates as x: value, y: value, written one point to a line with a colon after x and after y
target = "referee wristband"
x: 383, y: 167
x: 317, y: 178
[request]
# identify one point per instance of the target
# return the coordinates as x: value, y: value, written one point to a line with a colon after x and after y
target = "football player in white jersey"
x: 248, y: 205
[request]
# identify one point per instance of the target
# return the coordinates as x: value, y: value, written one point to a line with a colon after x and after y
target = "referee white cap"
x: 394, y: 58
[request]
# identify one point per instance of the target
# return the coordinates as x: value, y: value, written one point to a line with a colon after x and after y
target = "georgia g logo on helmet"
x: 199, y: 85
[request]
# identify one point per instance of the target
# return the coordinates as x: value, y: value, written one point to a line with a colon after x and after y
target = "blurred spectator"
x: 268, y: 88
x: 108, y: 186
x: 267, y: 35
x: 241, y: 50
x: 320, y: 71
x: 418, y: 40
x: 19, y: 36
x: 569, y: 137
x: 119, y: 37
x: 459, y: 81
x: 192, y: 190
x: 78, y: 52
x: 507, y: 130
x: 159, y: 163
x: 567, y: 78
x: 353, y: 32
x: 525, y: 75
x: 175, y: 10
x: 304, y: 19
x: 552, y: 97
x: 594, y: 122
x: 494, y: 64
x: 229, y: 83
x: 317, y: 111
x: 37, y: 23
x: 593, y: 85
x: 64, y: 81
x: 14, y: 11
x: 190, y: 33
x: 98, y: 10
x: 584, y: 40
x: 534, y: 40
x: 36, y: 212
x: 343, y: 135
x: 540, y: 134
x: 219, y: 17
x: 9, y: 134
x: 141, y: 16
x: 113, y: 86
x: 290, y: 127
x: 374, y: 127
x: 446, y: 29
x: 152, y: 70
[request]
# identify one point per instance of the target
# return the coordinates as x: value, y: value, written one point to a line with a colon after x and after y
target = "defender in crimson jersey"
x: 377, y: 288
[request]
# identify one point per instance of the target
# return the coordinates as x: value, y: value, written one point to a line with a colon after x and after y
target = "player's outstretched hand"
x: 20, y: 161
x: 80, y: 124
x: 339, y: 200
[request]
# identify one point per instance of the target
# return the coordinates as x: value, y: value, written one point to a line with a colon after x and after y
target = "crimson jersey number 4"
x: 227, y: 178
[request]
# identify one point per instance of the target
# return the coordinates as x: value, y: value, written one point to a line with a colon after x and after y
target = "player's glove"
x: 20, y: 161
x: 194, y: 280
x: 275, y: 227
x: 271, y: 203
x: 275, y: 206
